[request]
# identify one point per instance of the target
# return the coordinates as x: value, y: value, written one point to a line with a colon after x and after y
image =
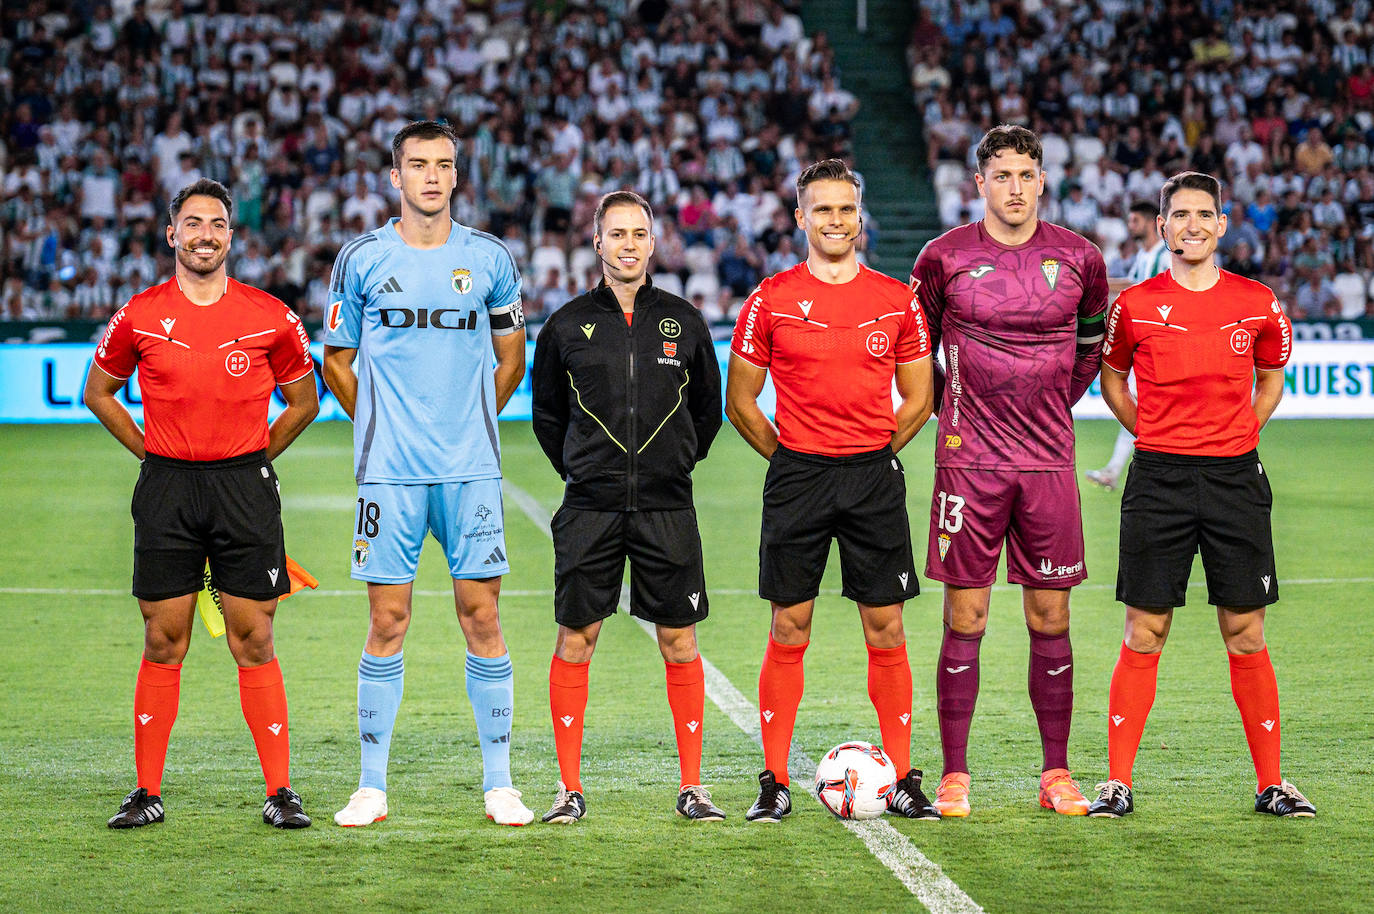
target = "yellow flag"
x: 211, y: 608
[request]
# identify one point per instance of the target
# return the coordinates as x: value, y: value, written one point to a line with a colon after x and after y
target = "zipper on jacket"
x: 631, y: 430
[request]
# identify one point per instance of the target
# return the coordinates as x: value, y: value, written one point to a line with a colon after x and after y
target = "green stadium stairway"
x: 888, y: 148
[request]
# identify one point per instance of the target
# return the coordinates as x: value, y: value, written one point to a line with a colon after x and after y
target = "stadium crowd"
x: 106, y: 109
x: 1277, y: 99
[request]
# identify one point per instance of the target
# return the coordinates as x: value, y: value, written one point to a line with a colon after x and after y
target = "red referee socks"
x: 687, y: 700
x: 156, y: 696
x: 1256, y: 692
x: 1129, y: 701
x: 263, y: 696
x: 568, y: 704
x: 889, y: 688
x: 781, y: 682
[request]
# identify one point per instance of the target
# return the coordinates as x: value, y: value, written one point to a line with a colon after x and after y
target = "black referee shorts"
x: 1175, y: 506
x: 667, y: 578
x: 859, y: 500
x: 227, y: 511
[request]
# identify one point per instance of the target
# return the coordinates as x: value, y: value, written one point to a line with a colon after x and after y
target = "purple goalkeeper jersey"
x: 1022, y: 333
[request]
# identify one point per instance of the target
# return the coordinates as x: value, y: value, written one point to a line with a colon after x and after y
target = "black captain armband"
x: 507, y: 319
x: 1091, y: 330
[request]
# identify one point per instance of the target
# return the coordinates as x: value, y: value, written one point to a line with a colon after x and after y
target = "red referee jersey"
x: 205, y: 372
x: 832, y: 350
x: 1195, y: 355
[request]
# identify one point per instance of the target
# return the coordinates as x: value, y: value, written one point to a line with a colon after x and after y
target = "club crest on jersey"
x: 1240, y: 342
x: 462, y: 281
x: 670, y: 328
x: 362, y: 551
x: 877, y: 344
x: 669, y: 349
x: 944, y: 545
x: 1050, y: 267
x: 237, y: 362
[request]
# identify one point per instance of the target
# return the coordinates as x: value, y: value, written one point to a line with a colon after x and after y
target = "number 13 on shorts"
x: 951, y: 515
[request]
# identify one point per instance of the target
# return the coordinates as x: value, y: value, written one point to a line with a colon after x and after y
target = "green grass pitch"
x: 72, y: 640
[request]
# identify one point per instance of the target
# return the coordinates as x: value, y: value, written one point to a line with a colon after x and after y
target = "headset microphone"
x: 1178, y: 252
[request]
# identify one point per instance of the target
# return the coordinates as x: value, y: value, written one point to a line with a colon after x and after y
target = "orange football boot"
x: 951, y: 797
x: 1059, y: 792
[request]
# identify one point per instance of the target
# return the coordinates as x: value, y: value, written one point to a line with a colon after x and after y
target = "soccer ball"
x: 854, y: 780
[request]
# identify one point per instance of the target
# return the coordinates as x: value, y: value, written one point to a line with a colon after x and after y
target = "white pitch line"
x: 724, y: 592
x: 921, y: 876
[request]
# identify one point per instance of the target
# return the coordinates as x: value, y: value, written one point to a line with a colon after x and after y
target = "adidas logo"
x: 144, y: 718
x: 956, y: 669
x: 1060, y: 670
x: 767, y: 717
x: 503, y: 738
x: 904, y: 718
x: 275, y: 728
x: 567, y: 720
x: 692, y: 725
x: 1118, y: 720
x: 496, y: 557
x: 391, y: 286
x: 1268, y: 725
x: 695, y: 599
x: 370, y: 738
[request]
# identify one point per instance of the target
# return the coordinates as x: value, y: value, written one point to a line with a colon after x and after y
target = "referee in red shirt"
x: 835, y: 335
x: 1208, y: 348
x: 209, y: 352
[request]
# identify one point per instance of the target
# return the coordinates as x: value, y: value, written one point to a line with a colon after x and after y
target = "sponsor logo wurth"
x: 1050, y: 570
x: 110, y: 328
x: 1286, y: 336
x: 301, y: 336
x: 747, y: 343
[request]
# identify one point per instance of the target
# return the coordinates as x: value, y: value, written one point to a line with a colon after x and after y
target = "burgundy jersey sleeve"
x: 1091, y: 310
x: 1275, y: 342
x: 1118, y: 350
x: 290, y: 352
x: 752, y: 340
x: 116, y: 354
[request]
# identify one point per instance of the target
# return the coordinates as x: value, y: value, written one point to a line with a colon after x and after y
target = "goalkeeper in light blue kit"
x: 424, y: 306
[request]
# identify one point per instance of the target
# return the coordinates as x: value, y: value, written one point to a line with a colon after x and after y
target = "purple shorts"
x: 1035, y: 512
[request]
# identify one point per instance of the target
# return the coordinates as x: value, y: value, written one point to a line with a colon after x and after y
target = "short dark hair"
x: 205, y: 187
x: 827, y: 170
x: 621, y: 198
x: 1009, y: 136
x: 420, y: 130
x: 1189, y: 180
x: 1144, y: 208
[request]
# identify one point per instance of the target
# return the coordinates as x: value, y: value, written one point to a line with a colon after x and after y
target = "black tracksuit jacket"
x: 624, y: 412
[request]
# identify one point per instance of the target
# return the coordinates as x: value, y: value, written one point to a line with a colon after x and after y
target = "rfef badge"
x: 462, y: 281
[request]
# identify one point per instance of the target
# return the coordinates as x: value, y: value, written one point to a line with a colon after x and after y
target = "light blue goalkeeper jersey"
x: 422, y: 322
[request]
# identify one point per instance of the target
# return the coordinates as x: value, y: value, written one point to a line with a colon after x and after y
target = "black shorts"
x: 667, y: 579
x: 859, y: 500
x: 227, y: 511
x: 1175, y: 506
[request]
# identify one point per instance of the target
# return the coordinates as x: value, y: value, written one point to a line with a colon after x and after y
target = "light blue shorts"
x: 391, y: 520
